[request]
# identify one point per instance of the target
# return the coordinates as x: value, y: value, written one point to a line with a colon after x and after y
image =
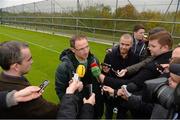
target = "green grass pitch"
x: 45, y: 50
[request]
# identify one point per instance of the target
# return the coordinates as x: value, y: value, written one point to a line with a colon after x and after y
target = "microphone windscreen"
x: 95, y: 70
x: 93, y: 64
x: 81, y: 70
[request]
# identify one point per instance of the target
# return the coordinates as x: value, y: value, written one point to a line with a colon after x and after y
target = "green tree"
x: 106, y: 12
x: 128, y: 11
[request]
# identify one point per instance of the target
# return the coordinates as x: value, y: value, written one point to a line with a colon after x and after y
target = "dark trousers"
x: 112, y: 103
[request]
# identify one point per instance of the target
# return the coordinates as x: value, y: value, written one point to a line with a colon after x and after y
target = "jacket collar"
x: 167, y: 54
x: 13, y: 79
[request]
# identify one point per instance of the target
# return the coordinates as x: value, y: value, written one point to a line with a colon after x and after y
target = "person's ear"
x: 15, y: 66
x: 165, y: 47
x: 72, y: 49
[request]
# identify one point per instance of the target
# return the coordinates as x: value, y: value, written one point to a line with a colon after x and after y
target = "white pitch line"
x: 64, y: 35
x: 52, y: 50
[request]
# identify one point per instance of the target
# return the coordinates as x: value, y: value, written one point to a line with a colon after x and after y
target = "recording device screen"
x: 160, y: 68
x: 43, y: 85
x: 105, y: 64
x: 109, y: 66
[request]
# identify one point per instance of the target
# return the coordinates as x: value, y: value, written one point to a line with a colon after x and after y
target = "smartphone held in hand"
x: 43, y: 85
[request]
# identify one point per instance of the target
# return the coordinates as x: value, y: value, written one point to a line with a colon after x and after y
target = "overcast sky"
x: 7, y: 3
x: 141, y: 5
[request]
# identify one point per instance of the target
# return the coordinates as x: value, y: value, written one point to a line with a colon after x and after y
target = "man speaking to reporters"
x: 79, y: 53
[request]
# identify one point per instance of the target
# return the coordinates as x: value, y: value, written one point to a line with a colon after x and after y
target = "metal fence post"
x: 77, y: 19
x: 174, y: 20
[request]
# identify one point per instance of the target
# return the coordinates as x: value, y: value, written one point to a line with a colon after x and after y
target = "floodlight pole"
x: 174, y: 20
x: 77, y: 18
x: 1, y: 16
x: 115, y: 24
x: 78, y: 5
x: 52, y: 7
x: 34, y: 5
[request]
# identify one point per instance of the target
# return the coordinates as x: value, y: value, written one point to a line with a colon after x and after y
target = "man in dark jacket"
x: 16, y: 60
x: 120, y: 58
x: 79, y: 53
x: 160, y: 45
x: 139, y: 46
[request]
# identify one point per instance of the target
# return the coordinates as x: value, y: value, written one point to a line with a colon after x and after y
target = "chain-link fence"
x: 98, y: 19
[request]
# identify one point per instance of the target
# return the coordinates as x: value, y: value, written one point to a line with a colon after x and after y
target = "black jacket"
x: 117, y: 62
x: 3, y: 99
x: 140, y: 49
x: 69, y: 108
x: 148, y: 72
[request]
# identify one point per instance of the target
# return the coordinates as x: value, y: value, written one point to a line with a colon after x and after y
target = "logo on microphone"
x: 80, y: 72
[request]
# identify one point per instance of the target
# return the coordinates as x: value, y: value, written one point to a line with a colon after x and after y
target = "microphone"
x: 95, y: 70
x: 80, y: 72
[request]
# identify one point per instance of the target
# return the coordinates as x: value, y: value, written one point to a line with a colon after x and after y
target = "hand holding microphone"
x: 74, y: 85
x: 80, y: 72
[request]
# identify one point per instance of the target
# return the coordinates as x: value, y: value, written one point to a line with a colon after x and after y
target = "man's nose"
x: 123, y: 46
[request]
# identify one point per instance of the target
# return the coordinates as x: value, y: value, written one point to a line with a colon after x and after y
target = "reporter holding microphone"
x: 69, y: 103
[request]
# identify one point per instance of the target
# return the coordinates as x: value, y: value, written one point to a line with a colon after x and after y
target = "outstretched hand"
x: 73, y: 86
x: 121, y: 73
x: 90, y: 100
x: 27, y: 94
x: 109, y: 90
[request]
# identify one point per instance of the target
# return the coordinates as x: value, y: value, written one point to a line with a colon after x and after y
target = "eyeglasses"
x: 82, y: 49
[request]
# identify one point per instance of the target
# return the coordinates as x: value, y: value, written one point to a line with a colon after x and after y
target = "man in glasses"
x: 79, y: 53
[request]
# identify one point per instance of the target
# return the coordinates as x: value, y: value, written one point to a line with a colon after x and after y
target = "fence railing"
x: 88, y: 25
